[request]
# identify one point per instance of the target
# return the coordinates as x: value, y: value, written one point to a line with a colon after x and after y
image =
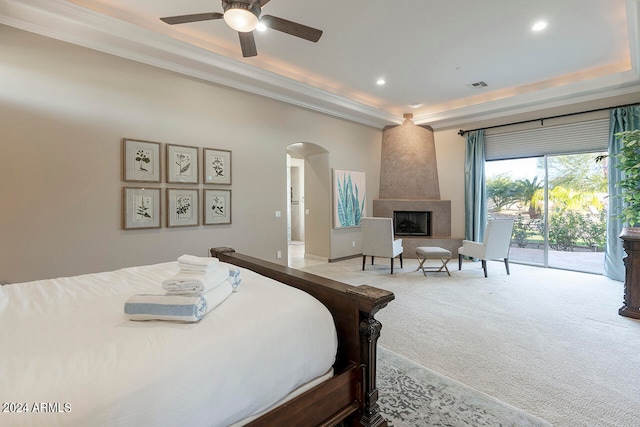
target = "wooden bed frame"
x: 350, y: 397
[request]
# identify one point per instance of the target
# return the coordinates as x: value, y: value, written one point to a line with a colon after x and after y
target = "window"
x: 555, y: 191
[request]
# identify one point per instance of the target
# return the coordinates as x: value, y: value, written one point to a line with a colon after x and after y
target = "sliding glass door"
x: 515, y: 189
x: 559, y: 207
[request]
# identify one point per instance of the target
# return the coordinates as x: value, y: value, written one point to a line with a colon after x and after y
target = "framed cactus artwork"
x: 349, y: 197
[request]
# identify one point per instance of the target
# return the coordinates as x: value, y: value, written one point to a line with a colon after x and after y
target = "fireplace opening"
x: 411, y: 223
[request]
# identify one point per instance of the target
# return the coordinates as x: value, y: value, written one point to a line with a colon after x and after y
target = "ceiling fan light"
x: 240, y: 17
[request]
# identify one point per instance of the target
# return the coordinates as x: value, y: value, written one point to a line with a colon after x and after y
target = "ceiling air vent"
x: 478, y: 85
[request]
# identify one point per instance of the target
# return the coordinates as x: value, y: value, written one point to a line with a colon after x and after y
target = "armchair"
x: 495, y: 244
x: 378, y: 240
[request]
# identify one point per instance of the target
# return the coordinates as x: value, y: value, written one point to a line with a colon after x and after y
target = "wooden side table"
x: 631, y: 244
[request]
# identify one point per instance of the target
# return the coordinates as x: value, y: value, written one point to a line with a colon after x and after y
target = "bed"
x: 279, y: 357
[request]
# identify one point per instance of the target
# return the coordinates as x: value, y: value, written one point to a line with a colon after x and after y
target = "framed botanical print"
x: 217, y: 207
x: 183, y: 207
x: 217, y: 166
x: 140, y: 208
x: 182, y: 164
x: 141, y: 160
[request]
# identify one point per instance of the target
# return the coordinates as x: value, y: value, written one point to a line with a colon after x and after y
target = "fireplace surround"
x: 440, y: 212
x: 409, y: 183
x: 440, y: 223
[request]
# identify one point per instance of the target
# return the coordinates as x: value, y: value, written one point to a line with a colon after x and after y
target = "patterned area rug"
x: 412, y: 395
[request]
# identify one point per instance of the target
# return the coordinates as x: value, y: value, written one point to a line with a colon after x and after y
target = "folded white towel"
x: 180, y: 308
x: 216, y: 296
x: 190, y: 283
x: 198, y: 260
x: 177, y: 308
x: 191, y: 263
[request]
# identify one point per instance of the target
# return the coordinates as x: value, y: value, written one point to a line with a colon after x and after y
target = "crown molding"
x: 610, y: 87
x: 62, y: 20
x: 74, y: 24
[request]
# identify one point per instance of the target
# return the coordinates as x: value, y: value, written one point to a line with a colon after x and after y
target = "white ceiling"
x: 428, y: 51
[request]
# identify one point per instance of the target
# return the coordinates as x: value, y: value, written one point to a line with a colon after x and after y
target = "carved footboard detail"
x: 369, y: 333
x: 353, y: 309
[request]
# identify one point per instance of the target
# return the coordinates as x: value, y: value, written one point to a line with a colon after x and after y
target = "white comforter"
x: 67, y: 352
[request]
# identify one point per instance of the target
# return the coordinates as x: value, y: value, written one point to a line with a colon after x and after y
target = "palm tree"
x: 527, y: 192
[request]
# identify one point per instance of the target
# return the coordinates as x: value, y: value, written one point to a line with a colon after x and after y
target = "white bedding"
x: 64, y: 343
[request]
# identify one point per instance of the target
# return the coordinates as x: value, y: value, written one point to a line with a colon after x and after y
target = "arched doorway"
x: 308, y: 193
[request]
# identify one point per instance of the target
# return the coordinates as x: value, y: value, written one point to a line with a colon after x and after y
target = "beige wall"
x: 450, y: 149
x: 64, y: 111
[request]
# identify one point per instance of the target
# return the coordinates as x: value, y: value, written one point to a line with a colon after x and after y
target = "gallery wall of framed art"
x: 193, y: 197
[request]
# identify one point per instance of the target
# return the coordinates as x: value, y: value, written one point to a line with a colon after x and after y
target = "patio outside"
x: 559, y: 207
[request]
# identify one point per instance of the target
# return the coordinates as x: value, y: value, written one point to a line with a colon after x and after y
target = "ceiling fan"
x: 244, y: 16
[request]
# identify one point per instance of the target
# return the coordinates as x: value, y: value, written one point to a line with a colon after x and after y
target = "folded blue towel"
x: 182, y: 308
x: 177, y: 308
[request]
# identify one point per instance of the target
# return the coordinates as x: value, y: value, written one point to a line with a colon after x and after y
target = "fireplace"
x: 409, y: 191
x: 412, y: 223
x: 439, y: 212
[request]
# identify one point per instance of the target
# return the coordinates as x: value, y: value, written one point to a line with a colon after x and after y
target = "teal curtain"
x: 475, y: 197
x: 620, y: 119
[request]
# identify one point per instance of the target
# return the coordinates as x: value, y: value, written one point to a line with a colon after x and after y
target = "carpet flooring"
x: 549, y: 342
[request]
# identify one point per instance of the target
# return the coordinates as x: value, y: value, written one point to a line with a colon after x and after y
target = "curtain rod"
x: 542, y: 119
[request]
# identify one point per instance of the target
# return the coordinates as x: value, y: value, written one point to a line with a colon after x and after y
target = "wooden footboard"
x: 350, y: 397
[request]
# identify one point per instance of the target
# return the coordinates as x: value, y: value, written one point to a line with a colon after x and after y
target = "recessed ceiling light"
x: 539, y: 26
x: 381, y: 82
x: 416, y: 104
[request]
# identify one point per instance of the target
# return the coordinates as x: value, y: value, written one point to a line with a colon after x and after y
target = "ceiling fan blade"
x: 293, y: 28
x: 263, y: 2
x: 183, y: 19
x: 248, y: 44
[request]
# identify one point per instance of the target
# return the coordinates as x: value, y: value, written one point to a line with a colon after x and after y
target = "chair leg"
x: 391, y: 265
x: 364, y: 259
x: 506, y: 264
x: 459, y: 261
x: 401, y: 261
x: 484, y: 267
x: 371, y: 259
